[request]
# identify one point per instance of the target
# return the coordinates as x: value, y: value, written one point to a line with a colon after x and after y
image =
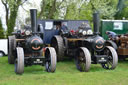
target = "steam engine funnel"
x: 33, y: 14
x: 96, y: 22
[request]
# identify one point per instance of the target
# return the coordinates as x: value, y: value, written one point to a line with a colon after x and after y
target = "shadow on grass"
x: 96, y: 68
x: 123, y: 61
x: 72, y: 65
x: 35, y: 69
x: 66, y: 66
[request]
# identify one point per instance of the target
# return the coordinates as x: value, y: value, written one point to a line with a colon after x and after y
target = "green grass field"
x: 66, y: 74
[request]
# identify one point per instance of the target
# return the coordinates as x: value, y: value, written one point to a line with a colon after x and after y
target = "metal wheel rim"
x: 81, y: 60
x: 108, y: 65
x: 16, y: 65
x: 48, y: 62
x: 1, y: 54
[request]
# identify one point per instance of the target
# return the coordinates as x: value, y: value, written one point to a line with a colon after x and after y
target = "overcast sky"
x: 22, y: 14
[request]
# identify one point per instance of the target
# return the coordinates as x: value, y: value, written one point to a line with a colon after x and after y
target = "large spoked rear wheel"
x: 83, y: 59
x: 11, y: 47
x: 58, y: 44
x: 112, y: 58
x: 19, y: 62
x: 50, y: 55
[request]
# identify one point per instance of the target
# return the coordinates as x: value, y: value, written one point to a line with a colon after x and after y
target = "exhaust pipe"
x: 96, y: 22
x: 33, y: 14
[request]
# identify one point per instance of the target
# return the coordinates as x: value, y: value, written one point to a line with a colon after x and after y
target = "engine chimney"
x: 33, y: 14
x: 96, y: 22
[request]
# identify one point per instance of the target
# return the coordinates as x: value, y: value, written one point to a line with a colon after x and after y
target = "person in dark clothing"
x: 64, y: 28
x: 111, y: 34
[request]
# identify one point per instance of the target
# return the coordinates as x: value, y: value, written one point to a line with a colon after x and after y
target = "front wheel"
x: 19, y: 62
x: 1, y: 54
x: 112, y: 58
x: 83, y: 59
x: 50, y: 55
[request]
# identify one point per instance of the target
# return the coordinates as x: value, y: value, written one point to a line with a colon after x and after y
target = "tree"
x: 83, y: 9
x: 71, y: 12
x: 106, y: 10
x: 50, y: 9
x: 11, y: 7
x: 122, y: 8
x: 71, y: 9
x: 1, y: 31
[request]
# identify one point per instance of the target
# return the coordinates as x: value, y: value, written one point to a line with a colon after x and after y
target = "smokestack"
x: 96, y: 22
x: 33, y: 14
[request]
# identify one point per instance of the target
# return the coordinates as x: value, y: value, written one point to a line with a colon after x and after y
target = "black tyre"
x: 19, y: 62
x: 83, y: 59
x: 50, y: 55
x: 1, y: 54
x: 58, y: 44
x: 11, y: 48
x: 112, y: 58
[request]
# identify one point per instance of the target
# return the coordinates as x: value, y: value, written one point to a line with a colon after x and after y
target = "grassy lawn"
x: 66, y: 74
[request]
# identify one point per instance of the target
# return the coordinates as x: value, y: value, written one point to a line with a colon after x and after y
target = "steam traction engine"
x: 27, y: 48
x: 120, y: 43
x: 85, y: 47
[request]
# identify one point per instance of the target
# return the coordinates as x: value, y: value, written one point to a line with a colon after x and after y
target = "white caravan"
x: 3, y: 47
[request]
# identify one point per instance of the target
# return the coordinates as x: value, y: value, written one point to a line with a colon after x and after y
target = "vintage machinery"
x: 120, y: 43
x: 85, y: 47
x: 27, y: 48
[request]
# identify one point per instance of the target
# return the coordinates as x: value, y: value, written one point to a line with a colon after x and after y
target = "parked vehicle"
x: 120, y: 43
x: 3, y: 47
x: 27, y: 48
x: 117, y: 26
x: 85, y: 46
